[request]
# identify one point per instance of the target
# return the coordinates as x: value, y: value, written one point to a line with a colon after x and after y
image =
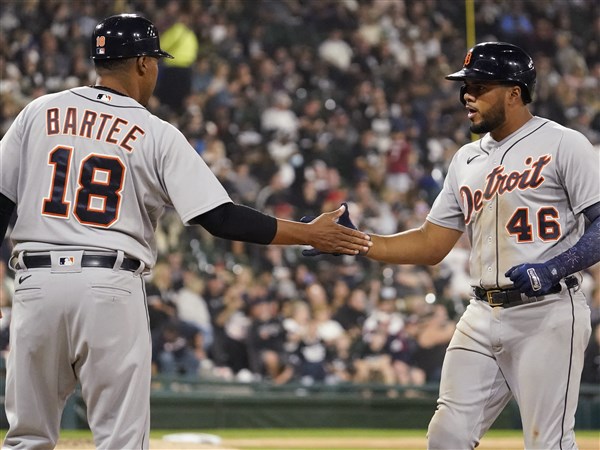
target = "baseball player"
x: 90, y: 171
x: 522, y: 194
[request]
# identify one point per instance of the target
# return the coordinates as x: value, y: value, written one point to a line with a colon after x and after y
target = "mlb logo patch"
x: 66, y: 261
x: 104, y: 97
x: 100, y: 51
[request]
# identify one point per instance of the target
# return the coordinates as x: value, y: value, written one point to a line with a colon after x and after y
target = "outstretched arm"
x: 240, y: 223
x: 427, y: 245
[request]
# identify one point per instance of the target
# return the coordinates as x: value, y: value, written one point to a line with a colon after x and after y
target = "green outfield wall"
x: 179, y: 404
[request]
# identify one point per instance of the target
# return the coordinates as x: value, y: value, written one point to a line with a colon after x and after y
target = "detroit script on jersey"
x: 499, y: 182
x: 520, y: 199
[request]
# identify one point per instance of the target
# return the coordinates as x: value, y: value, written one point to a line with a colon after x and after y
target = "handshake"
x: 343, y: 220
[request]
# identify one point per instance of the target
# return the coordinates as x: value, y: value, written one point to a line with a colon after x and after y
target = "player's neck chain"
x: 104, y: 88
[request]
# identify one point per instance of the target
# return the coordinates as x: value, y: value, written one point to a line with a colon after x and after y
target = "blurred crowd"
x: 297, y: 106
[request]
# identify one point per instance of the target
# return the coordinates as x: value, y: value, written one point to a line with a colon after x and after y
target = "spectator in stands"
x: 399, y: 160
x: 403, y: 347
x: 192, y: 308
x: 230, y: 323
x: 353, y: 313
x: 327, y: 329
x: 175, y: 81
x: 313, y: 353
x: 373, y: 363
x: 433, y: 334
x: 340, y: 360
x: 279, y: 117
x: 266, y: 341
x: 384, y: 317
x: 316, y: 295
x: 340, y: 292
x: 336, y: 51
x: 173, y: 349
x: 160, y: 296
x: 296, y: 324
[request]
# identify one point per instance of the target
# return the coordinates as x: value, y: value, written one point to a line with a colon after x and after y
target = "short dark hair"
x: 111, y: 64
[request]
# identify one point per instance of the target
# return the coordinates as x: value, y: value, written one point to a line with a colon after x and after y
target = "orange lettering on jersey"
x: 52, y: 122
x: 92, y: 125
x: 103, y: 118
x: 70, y: 125
x: 115, y: 129
x: 88, y: 121
x: 497, y: 182
x: 131, y: 136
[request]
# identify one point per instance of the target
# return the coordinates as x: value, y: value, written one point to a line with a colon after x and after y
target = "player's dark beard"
x: 490, y: 121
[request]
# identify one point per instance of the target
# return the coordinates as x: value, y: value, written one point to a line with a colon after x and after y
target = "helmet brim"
x: 473, y: 74
x: 165, y: 54
x: 156, y: 54
x: 457, y: 76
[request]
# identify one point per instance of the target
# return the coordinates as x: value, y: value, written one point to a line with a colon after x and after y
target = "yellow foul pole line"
x: 470, y: 20
x: 470, y: 30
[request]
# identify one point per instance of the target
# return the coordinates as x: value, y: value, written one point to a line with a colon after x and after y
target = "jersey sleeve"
x: 189, y: 184
x: 446, y: 210
x: 578, y: 165
x: 10, y: 157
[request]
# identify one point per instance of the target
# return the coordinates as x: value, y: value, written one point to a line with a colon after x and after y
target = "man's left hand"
x: 533, y: 280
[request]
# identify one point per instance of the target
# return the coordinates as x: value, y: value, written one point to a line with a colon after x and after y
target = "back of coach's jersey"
x: 94, y: 169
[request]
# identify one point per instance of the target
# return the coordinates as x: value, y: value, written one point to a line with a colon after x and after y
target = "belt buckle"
x: 489, y: 295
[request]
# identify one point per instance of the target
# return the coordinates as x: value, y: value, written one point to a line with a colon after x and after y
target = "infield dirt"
x: 322, y: 443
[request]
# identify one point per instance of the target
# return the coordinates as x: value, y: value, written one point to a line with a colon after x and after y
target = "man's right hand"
x: 343, y: 219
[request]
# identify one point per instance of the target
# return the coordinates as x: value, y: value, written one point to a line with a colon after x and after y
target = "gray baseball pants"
x: 73, y: 324
x: 533, y: 353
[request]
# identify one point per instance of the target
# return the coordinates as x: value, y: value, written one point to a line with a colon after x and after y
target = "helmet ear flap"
x: 463, y: 90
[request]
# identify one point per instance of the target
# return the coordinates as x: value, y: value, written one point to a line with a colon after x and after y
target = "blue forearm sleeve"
x: 585, y: 253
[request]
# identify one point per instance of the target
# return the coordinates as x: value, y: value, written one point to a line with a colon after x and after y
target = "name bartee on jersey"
x: 93, y: 125
x: 498, y: 182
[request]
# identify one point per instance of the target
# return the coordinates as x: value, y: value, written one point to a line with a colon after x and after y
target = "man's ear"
x: 515, y: 93
x: 141, y: 64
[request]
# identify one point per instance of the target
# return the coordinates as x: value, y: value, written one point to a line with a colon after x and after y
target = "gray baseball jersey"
x: 519, y: 200
x: 111, y: 169
x: 90, y: 172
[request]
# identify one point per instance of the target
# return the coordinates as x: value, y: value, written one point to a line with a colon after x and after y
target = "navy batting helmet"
x: 125, y: 36
x: 498, y: 61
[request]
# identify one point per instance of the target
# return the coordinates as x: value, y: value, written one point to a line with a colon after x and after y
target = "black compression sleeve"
x: 7, y: 207
x: 238, y: 223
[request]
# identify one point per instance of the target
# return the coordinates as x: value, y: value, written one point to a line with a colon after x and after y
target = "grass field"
x: 319, y: 439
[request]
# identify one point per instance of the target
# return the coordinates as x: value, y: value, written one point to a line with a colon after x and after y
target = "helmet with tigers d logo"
x: 498, y: 61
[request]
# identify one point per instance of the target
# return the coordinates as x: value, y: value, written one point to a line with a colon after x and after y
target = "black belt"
x: 103, y: 261
x: 508, y: 298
